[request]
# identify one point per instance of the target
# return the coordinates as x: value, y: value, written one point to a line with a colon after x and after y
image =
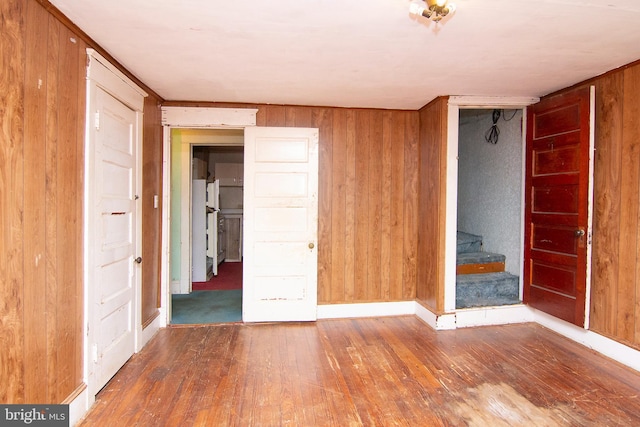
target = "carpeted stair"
x: 481, y: 280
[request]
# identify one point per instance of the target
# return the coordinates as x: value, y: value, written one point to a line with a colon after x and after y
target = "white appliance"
x: 216, y: 244
x: 213, y: 195
x: 207, y: 250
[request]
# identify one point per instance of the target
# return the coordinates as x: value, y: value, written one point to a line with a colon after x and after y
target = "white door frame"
x: 101, y: 74
x: 188, y: 118
x: 451, y: 198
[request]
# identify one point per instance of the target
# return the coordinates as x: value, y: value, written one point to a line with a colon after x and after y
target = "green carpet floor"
x: 206, y: 307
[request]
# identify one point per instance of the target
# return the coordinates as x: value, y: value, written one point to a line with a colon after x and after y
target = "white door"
x: 113, y: 237
x: 280, y: 224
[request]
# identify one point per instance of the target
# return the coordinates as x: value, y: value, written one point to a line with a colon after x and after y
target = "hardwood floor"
x: 373, y: 372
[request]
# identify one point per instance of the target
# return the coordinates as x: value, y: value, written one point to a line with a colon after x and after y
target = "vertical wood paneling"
x: 298, y: 116
x: 374, y: 191
x: 628, y: 216
x: 397, y: 146
x: 412, y: 195
x: 41, y: 188
x: 430, y: 286
x: 350, y: 208
x: 606, y: 226
x: 338, y: 209
x: 51, y: 199
x: 367, y: 201
x: 68, y: 227
x: 35, y: 90
x: 151, y: 217
x: 12, y: 15
x: 615, y: 282
x: 76, y: 325
x: 275, y: 115
x: 362, y: 204
x: 629, y: 292
x: 386, y: 178
x: 322, y: 119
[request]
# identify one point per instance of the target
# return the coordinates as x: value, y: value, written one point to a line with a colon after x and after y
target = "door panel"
x: 280, y: 224
x: 114, y: 236
x: 557, y: 205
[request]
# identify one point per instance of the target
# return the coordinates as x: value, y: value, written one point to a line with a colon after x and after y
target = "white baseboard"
x: 439, y: 322
x: 486, y: 316
x: 522, y: 314
x: 79, y: 406
x: 372, y: 309
x: 613, y: 349
x: 176, y: 287
x: 144, y: 335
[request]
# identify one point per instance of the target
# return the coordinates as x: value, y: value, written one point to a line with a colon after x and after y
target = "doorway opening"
x: 489, y: 208
x: 212, y: 189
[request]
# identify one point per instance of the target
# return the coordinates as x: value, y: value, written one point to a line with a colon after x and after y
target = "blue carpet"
x: 206, y: 307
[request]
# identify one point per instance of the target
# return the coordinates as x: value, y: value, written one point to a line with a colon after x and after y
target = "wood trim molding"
x: 198, y: 117
x: 493, y: 101
x: 111, y: 79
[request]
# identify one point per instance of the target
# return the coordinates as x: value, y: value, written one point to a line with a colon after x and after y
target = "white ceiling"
x: 349, y: 53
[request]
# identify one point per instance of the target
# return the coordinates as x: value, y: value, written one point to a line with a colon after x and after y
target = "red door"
x: 557, y: 204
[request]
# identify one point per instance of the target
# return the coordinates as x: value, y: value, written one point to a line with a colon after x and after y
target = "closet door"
x: 557, y: 205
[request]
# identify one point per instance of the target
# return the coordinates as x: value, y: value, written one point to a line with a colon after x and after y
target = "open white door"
x: 280, y: 224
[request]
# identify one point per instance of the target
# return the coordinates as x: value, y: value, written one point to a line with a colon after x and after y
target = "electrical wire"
x: 504, y: 117
x: 493, y: 134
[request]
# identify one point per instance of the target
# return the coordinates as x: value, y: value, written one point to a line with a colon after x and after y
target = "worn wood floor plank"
x: 372, y: 372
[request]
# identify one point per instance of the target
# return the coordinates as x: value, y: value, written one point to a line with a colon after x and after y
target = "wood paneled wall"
x: 151, y: 216
x: 42, y: 120
x: 41, y: 185
x: 615, y: 284
x: 368, y: 198
x: 433, y: 186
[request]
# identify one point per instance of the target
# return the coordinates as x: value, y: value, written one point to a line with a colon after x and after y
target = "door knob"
x: 578, y: 233
x: 311, y: 245
x: 138, y: 260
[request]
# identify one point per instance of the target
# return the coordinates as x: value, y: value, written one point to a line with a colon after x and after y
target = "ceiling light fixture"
x: 435, y: 10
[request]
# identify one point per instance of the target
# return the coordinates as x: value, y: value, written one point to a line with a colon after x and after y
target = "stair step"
x: 489, y: 289
x: 467, y: 242
x: 479, y: 262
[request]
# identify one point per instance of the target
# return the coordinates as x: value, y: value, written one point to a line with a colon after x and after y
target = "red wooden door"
x: 556, y: 205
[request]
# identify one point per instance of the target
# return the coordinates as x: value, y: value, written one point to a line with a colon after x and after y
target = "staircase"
x: 481, y: 280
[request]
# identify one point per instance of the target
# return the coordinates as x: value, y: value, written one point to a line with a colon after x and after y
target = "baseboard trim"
x: 439, y: 322
x: 371, y: 309
x: 144, y: 335
x: 176, y: 287
x: 79, y: 406
x: 488, y: 316
x: 606, y: 346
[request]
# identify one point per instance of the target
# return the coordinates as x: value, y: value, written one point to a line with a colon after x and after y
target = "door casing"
x: 188, y: 118
x: 102, y: 74
x: 451, y: 198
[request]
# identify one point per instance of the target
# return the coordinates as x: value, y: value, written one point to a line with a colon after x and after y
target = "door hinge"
x: 97, y: 120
